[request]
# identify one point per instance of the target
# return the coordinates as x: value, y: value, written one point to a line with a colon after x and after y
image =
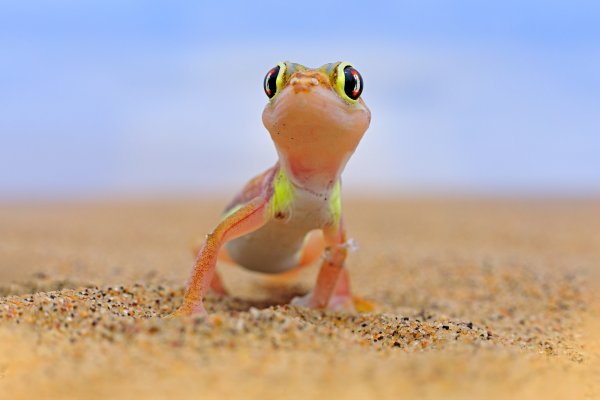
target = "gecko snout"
x: 303, y: 83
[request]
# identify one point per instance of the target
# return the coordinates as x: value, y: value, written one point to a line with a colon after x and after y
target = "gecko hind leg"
x: 216, y: 285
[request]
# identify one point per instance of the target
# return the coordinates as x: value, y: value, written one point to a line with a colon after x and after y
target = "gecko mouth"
x: 313, y: 101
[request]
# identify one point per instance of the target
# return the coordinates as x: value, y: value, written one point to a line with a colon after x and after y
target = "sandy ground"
x: 475, y: 299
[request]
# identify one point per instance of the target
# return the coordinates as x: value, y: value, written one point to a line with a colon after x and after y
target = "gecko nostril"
x: 314, y: 81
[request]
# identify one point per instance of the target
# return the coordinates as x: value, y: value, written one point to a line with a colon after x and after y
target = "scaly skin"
x: 315, y: 124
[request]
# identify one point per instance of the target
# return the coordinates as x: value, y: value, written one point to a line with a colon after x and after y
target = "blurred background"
x: 112, y: 98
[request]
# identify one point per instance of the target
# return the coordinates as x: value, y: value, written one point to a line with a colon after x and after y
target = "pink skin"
x: 315, y: 132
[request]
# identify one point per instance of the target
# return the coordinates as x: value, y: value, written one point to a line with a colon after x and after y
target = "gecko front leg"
x: 247, y: 219
x: 332, y: 289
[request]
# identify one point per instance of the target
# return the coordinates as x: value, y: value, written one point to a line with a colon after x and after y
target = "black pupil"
x: 353, y: 83
x: 271, y: 81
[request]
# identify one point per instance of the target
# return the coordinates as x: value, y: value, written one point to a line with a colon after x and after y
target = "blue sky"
x: 113, y: 97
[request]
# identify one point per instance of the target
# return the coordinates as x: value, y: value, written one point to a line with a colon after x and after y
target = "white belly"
x: 276, y: 246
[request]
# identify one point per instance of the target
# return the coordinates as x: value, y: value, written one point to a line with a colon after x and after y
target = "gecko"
x: 291, y: 215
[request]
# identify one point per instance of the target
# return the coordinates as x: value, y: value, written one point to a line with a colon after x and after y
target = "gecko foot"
x: 344, y: 302
x: 188, y: 311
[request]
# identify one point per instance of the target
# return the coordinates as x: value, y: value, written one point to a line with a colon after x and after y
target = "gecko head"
x: 316, y: 118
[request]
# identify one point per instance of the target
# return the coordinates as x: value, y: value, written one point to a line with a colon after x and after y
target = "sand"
x: 475, y: 299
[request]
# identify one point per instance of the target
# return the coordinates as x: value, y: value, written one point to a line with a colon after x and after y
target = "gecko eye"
x: 353, y: 86
x: 274, y: 80
x: 349, y: 82
x: 271, y: 81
